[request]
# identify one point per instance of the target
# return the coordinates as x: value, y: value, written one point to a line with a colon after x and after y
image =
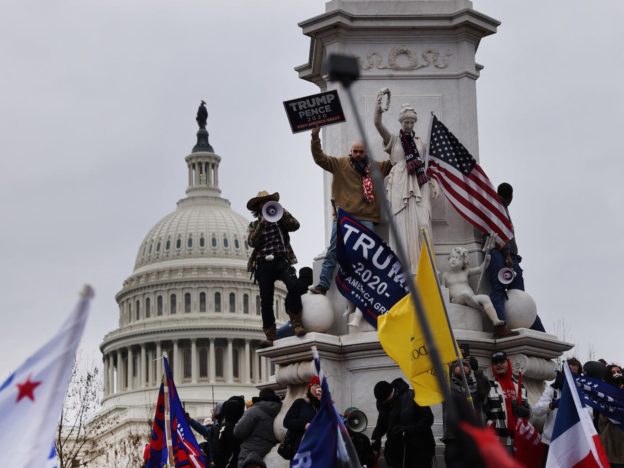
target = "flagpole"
x: 448, y: 321
x: 378, y: 183
x: 167, y: 415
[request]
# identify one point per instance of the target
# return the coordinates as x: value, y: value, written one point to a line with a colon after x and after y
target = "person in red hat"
x: 270, y: 261
x: 303, y: 410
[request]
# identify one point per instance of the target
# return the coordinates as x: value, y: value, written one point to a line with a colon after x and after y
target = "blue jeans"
x: 498, y: 293
x: 329, y: 263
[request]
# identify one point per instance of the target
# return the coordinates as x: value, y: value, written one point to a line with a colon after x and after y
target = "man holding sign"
x: 352, y: 190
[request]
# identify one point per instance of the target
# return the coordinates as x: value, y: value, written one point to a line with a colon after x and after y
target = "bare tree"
x: 83, y: 435
x: 82, y: 401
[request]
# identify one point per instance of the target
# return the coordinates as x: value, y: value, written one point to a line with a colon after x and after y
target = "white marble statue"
x: 460, y: 292
x: 408, y: 189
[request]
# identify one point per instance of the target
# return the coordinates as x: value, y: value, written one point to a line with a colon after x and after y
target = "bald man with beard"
x: 352, y: 190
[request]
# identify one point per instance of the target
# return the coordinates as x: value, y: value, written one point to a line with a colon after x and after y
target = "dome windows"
x: 178, y: 243
x: 148, y: 307
x: 202, y: 302
x: 187, y: 303
x: 202, y: 241
x: 236, y: 243
x: 226, y: 243
x: 217, y: 302
x: 158, y: 247
x: 189, y: 242
x: 232, y: 303
x: 245, y: 303
x: 159, y: 305
x: 214, y: 240
x: 168, y: 244
x: 172, y: 304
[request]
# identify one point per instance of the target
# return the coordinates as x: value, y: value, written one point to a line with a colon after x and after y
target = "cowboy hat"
x: 262, y: 197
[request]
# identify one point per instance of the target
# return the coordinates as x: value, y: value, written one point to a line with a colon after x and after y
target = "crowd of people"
x: 241, y: 433
x: 501, y: 399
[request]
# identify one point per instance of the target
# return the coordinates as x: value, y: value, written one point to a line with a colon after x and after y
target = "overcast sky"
x: 97, y: 108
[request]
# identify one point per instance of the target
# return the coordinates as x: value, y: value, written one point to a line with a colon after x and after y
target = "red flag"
x: 528, y: 446
x: 157, y: 456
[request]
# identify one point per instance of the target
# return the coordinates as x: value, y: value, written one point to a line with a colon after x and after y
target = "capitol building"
x: 190, y: 295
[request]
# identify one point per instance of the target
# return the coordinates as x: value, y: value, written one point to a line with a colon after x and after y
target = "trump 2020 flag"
x: 158, y: 453
x: 32, y: 397
x: 575, y: 442
x: 326, y: 442
x: 369, y: 273
x: 602, y: 397
x: 186, y: 451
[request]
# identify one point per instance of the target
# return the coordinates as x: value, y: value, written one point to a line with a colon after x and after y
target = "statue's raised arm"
x: 380, y: 108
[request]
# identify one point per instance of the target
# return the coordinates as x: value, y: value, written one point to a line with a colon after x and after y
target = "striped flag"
x: 465, y: 184
x: 326, y: 442
x: 575, y: 442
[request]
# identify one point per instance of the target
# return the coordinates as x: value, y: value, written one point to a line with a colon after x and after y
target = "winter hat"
x: 382, y: 390
x: 266, y: 393
x: 499, y: 356
x: 314, y: 380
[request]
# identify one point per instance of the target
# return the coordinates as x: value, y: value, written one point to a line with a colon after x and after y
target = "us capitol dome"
x: 190, y: 295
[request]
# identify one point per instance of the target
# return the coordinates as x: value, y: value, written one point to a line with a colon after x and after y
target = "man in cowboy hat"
x: 271, y: 260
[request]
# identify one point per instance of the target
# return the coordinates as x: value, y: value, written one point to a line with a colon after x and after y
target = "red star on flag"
x: 26, y: 389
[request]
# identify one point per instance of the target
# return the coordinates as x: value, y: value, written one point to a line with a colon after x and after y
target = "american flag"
x: 465, y: 184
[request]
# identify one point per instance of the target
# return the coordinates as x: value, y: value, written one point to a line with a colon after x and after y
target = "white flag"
x: 31, y: 399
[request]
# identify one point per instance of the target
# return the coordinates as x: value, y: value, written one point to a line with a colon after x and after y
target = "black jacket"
x: 407, y: 426
x: 300, y: 413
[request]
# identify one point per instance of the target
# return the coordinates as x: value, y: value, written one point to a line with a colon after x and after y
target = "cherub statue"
x: 456, y: 279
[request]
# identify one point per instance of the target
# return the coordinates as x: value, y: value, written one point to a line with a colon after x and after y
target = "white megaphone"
x: 272, y: 211
x: 506, y: 275
x: 355, y: 419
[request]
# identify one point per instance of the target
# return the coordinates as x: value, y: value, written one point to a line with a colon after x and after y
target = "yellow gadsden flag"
x: 402, y: 338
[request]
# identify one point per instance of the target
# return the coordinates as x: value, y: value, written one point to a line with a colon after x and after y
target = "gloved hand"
x: 376, y: 446
x: 474, y: 364
x: 397, y: 431
x: 520, y: 411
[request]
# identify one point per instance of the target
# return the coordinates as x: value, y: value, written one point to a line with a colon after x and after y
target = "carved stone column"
x: 211, y: 361
x: 142, y: 370
x: 111, y: 374
x: 229, y: 363
x: 150, y: 367
x: 256, y: 367
x: 176, y: 367
x: 130, y: 368
x: 120, y: 386
x: 194, y: 361
x: 246, y: 367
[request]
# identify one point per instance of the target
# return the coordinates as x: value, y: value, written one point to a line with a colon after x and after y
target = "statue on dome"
x: 202, y: 115
x: 408, y: 189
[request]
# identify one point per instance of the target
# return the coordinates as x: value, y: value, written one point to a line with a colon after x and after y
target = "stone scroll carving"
x: 405, y: 59
x: 533, y: 367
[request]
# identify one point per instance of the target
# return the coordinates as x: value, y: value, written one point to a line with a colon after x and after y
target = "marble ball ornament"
x: 520, y: 309
x: 318, y: 314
